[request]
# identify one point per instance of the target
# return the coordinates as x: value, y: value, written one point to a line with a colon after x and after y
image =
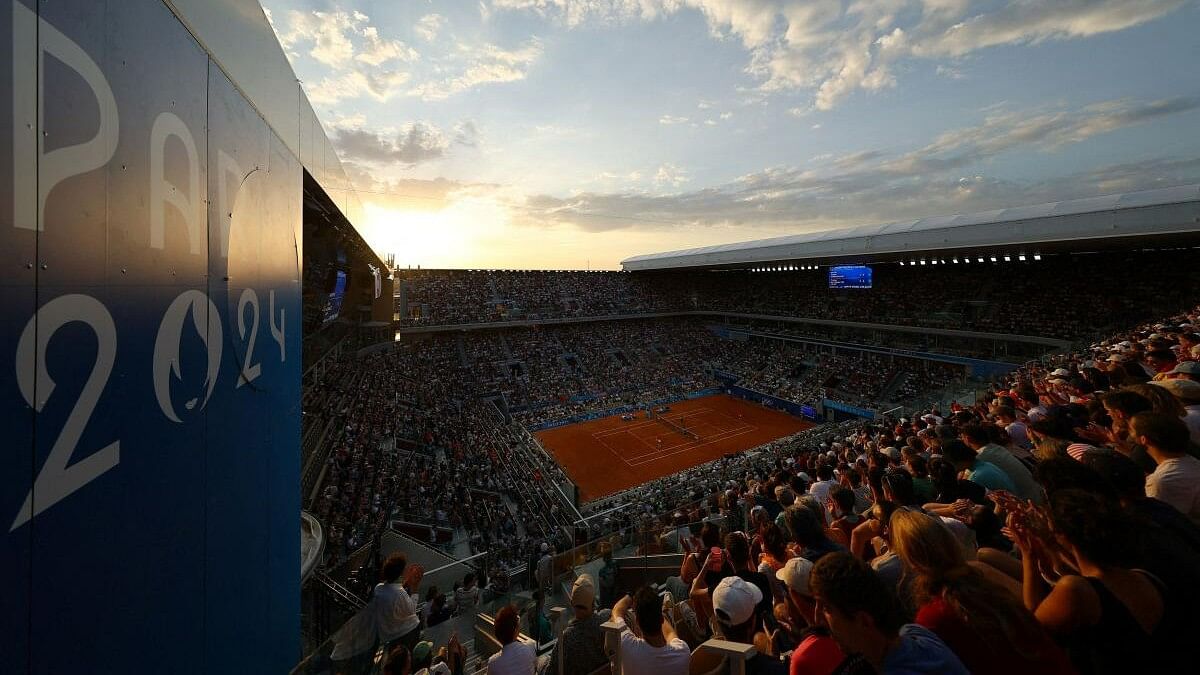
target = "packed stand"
x: 1052, y: 527
x: 991, y: 297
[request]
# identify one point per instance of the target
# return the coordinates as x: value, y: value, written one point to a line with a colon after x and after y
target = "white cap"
x: 795, y: 575
x: 1061, y: 371
x: 734, y: 600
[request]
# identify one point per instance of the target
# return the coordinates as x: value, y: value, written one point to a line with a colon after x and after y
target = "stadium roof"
x: 1171, y: 215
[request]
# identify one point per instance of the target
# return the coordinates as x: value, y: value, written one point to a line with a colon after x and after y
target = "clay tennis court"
x: 610, y: 454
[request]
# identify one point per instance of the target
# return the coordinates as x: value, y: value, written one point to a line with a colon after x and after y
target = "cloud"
x: 832, y: 49
x: 950, y: 72
x: 361, y: 62
x: 477, y: 65
x: 668, y: 120
x: 466, y: 133
x: 726, y: 115
x: 1030, y: 22
x: 428, y: 26
x: 669, y: 175
x: 338, y: 38
x: 380, y: 85
x: 415, y: 143
x: 946, y: 176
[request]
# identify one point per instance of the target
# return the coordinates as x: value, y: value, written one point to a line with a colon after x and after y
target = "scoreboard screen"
x: 850, y: 276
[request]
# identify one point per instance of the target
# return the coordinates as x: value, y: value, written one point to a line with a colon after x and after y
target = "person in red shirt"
x: 985, y: 624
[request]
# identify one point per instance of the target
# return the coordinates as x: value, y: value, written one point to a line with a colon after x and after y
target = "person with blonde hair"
x: 984, y: 622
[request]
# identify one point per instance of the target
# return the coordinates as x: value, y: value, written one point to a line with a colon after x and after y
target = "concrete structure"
x: 1164, y: 217
x: 152, y: 162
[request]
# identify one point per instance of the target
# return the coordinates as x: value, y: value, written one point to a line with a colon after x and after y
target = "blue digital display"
x: 850, y: 276
x: 334, y: 306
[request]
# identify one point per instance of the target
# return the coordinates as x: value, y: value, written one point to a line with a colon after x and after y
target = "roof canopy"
x: 1111, y: 218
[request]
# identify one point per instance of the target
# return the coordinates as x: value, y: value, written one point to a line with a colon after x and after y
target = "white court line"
x: 719, y: 435
x: 613, y: 452
x: 647, y: 423
x: 662, y: 453
x: 699, y: 445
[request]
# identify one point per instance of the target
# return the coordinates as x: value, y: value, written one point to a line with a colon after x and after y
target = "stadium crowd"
x: 420, y: 409
x: 1053, y: 526
x: 985, y: 295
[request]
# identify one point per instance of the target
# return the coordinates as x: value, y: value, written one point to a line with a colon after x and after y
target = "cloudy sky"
x: 575, y: 133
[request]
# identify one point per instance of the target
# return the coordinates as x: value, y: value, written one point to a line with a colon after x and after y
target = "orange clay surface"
x: 609, y: 454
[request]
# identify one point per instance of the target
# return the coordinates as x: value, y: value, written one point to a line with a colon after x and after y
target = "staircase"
x: 495, y: 291
x: 893, y: 385
x: 462, y: 352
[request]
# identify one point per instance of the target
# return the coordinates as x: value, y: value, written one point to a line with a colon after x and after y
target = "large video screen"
x: 333, y: 306
x: 850, y: 276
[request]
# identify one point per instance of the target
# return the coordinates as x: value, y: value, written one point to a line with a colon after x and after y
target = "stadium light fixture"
x: 954, y: 260
x: 933, y: 262
x: 922, y: 261
x: 993, y: 258
x: 1008, y: 258
x: 1021, y: 257
x: 979, y: 260
x: 1037, y: 256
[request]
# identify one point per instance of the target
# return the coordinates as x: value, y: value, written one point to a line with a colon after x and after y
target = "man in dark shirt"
x: 738, y: 548
x: 735, y: 602
x: 581, y: 646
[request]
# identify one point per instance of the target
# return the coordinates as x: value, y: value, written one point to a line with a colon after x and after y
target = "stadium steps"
x: 515, y: 511
x: 893, y: 385
x: 462, y: 352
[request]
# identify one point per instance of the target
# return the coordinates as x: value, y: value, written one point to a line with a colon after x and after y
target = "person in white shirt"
x: 389, y: 618
x: 518, y: 654
x: 824, y: 484
x: 396, y: 602
x: 654, y: 649
x: 1176, y: 479
x: 1185, y: 387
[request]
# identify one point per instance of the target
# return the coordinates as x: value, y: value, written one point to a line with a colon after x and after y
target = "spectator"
x: 983, y: 622
x: 809, y: 534
x: 1176, y: 478
x: 824, y: 484
x: 466, y: 597
x: 842, y: 514
x: 735, y: 603
x: 978, y: 438
x: 653, y: 648
x: 1188, y: 393
x: 1113, y: 618
x: 395, y: 602
x: 864, y: 618
x: 975, y: 470
x: 738, y: 548
x: 580, y: 649
x: 518, y: 654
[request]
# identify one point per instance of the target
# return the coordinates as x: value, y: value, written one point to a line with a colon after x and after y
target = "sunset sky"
x: 573, y: 134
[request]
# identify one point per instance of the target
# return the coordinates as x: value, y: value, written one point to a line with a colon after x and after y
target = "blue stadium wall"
x: 150, y: 350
